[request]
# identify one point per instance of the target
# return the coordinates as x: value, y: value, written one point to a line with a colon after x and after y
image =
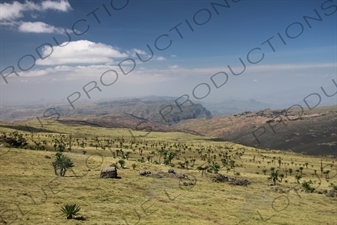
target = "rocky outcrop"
x: 230, y: 180
x: 14, y: 142
x: 161, y: 174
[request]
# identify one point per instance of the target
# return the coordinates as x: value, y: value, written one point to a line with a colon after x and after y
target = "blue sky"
x: 221, y: 35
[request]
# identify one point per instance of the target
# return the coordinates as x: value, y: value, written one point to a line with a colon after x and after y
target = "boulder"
x: 109, y: 172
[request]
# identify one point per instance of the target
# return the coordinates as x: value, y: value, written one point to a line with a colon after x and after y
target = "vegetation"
x: 307, y: 187
x: 70, y: 210
x: 274, y: 176
x: 113, y: 200
x: 61, y: 163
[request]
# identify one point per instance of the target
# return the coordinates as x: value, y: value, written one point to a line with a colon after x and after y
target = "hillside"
x: 311, y: 131
x: 314, y: 132
x: 32, y: 194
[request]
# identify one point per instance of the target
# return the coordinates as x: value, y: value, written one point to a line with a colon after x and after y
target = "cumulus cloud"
x: 14, y: 10
x: 80, y: 52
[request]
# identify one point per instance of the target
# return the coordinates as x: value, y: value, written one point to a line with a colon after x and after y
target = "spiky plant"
x: 62, y: 163
x: 274, y: 176
x: 70, y: 210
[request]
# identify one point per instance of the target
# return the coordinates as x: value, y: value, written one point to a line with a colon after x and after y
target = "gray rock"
x: 144, y: 173
x: 171, y: 171
x: 109, y: 172
x: 330, y: 193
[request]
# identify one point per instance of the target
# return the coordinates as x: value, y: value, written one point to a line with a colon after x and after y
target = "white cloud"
x: 33, y: 27
x: 37, y: 27
x: 62, y: 5
x: 80, y: 52
x: 160, y: 58
x: 11, y: 11
x: 73, y: 72
x: 94, y: 72
x: 15, y: 10
x: 9, y: 23
x: 173, y: 56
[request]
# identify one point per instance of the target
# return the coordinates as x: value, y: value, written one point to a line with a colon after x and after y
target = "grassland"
x: 32, y: 194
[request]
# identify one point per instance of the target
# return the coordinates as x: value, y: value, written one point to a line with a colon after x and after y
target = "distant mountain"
x: 228, y: 107
x: 159, y: 110
x: 162, y: 110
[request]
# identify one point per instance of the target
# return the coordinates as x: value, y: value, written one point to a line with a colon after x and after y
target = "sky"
x: 272, y: 51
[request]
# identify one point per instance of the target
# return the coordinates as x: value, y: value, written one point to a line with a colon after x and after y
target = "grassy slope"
x: 106, y: 201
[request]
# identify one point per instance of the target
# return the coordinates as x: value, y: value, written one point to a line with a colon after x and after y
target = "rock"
x: 220, y: 178
x: 275, y: 188
x: 330, y: 193
x: 110, y: 172
x: 14, y: 142
x: 144, y: 173
x: 181, y: 176
x: 171, y: 171
x: 233, y: 181
x: 188, y: 183
x: 242, y: 182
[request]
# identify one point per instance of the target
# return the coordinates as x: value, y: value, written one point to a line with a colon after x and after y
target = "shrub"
x: 307, y: 186
x: 122, y: 163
